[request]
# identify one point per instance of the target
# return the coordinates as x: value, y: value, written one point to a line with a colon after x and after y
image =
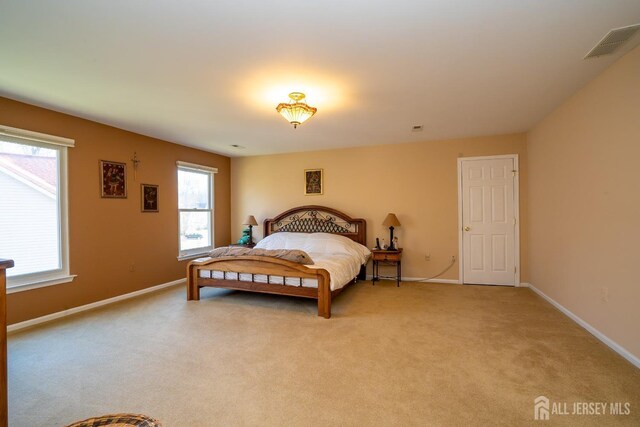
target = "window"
x: 195, y: 209
x: 33, y: 208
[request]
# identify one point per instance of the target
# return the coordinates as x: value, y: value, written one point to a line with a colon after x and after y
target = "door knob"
x: 467, y: 228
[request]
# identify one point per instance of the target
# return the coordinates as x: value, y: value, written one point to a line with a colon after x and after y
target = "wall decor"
x: 313, y: 182
x: 135, y: 162
x: 113, y: 179
x: 149, y: 196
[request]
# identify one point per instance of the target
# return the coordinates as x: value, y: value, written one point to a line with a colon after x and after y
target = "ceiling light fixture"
x: 297, y: 111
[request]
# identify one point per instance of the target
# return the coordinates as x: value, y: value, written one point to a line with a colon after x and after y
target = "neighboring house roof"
x: 36, y: 171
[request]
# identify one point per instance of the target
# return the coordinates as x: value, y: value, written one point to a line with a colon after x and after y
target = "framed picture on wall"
x: 113, y: 179
x: 149, y: 196
x: 313, y: 184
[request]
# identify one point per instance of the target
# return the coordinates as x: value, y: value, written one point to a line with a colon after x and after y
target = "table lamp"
x: 391, y: 221
x: 250, y: 221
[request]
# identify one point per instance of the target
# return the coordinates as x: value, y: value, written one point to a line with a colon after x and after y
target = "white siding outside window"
x: 33, y: 208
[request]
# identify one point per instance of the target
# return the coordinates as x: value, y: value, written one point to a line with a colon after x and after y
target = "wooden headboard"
x: 318, y: 219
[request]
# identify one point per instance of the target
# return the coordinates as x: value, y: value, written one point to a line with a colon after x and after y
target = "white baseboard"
x: 419, y: 279
x: 593, y: 331
x: 74, y: 310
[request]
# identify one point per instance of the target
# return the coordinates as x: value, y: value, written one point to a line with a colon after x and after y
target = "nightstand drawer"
x: 388, y: 256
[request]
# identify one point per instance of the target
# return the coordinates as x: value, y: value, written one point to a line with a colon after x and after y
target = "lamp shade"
x: 296, y: 112
x: 251, y: 220
x: 391, y: 221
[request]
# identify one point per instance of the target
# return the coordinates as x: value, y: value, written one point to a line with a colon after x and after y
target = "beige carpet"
x: 421, y: 354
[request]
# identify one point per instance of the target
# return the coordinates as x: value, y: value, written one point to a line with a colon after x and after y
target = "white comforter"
x: 339, y: 255
x: 341, y: 267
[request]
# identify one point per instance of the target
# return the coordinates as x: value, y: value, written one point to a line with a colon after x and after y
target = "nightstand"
x: 249, y: 245
x: 388, y: 258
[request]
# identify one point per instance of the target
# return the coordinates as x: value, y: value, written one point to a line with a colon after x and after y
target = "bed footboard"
x: 265, y: 266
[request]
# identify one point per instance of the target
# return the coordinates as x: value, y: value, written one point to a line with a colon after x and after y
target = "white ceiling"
x: 209, y: 73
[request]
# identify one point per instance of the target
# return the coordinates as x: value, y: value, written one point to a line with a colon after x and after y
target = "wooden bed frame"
x: 304, y: 219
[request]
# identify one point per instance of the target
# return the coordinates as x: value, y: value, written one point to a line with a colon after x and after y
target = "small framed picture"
x: 149, y: 196
x: 113, y: 179
x: 313, y: 184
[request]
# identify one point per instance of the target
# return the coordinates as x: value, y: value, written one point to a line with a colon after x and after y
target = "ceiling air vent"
x: 613, y: 40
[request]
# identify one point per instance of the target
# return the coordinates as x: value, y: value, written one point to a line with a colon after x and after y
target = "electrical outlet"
x: 132, y: 267
x: 604, y: 294
x: 427, y: 257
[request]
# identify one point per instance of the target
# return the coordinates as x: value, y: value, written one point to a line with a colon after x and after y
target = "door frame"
x: 516, y: 211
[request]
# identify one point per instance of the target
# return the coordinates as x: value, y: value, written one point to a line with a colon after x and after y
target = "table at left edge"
x: 4, y: 401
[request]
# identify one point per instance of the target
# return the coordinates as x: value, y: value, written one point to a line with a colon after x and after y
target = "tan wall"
x: 107, y: 235
x: 584, y: 199
x: 418, y: 182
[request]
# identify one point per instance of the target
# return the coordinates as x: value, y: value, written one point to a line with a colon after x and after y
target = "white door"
x: 488, y: 220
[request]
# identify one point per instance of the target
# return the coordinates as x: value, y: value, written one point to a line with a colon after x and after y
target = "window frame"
x: 25, y: 282
x: 210, y: 171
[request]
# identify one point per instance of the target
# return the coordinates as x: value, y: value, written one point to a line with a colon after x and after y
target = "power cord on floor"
x: 453, y: 261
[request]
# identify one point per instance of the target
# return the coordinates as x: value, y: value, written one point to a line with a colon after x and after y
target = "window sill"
x: 193, y: 256
x: 12, y: 289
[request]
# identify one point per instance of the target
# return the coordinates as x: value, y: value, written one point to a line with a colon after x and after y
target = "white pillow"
x: 361, y: 251
x: 320, y: 243
x: 279, y: 240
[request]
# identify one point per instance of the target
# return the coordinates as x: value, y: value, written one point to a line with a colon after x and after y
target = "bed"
x: 335, y: 242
